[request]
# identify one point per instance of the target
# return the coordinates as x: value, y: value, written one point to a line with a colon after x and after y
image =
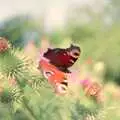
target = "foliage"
x: 16, y: 29
x: 56, y: 37
x: 32, y: 98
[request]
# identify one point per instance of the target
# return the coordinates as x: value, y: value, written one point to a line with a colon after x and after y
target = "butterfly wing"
x: 57, y: 57
x: 51, y: 72
x: 55, y: 77
x: 62, y: 58
x: 50, y: 52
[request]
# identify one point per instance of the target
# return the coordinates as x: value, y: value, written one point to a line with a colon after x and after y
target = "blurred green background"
x: 94, y: 26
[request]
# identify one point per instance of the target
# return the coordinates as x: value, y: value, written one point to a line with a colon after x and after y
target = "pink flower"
x: 12, y: 82
x: 85, y: 82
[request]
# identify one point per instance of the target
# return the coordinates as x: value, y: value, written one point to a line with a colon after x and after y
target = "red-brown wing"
x: 51, y: 72
x: 59, y: 57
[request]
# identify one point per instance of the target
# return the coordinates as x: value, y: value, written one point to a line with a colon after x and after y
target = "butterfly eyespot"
x: 61, y: 88
x: 76, y: 54
x: 47, y: 74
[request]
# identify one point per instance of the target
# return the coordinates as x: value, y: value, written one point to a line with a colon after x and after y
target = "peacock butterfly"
x: 55, y: 63
x: 63, y: 58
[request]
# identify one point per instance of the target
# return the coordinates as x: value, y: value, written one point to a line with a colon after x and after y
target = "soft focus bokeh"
x: 32, y: 26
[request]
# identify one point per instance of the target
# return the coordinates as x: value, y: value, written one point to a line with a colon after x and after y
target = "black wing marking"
x: 58, y: 50
x: 54, y: 51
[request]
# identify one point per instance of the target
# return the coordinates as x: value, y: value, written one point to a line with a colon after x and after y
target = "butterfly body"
x: 63, y: 58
